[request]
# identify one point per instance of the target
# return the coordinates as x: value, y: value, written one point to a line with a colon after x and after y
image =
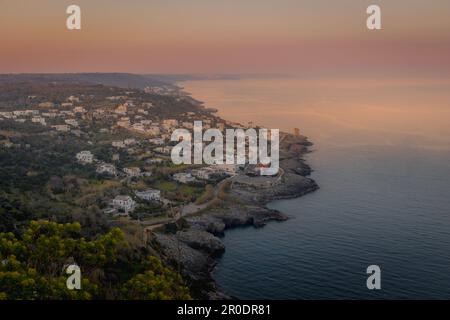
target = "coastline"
x: 195, y: 246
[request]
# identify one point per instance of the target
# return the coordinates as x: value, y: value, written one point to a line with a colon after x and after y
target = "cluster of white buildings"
x: 146, y: 126
x: 122, y: 205
x: 86, y: 157
x: 42, y: 117
x: 163, y: 90
x: 18, y: 113
x: 133, y: 120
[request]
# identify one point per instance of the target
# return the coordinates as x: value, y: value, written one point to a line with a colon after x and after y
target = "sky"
x: 226, y: 36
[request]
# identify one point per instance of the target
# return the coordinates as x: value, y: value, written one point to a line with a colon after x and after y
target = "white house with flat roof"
x: 61, y: 127
x: 38, y: 119
x: 149, y: 194
x: 85, y: 157
x: 125, y: 203
x: 183, y: 177
x: 106, y: 168
x: 132, y: 171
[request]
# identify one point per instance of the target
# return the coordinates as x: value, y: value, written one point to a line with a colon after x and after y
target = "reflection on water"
x: 382, y: 160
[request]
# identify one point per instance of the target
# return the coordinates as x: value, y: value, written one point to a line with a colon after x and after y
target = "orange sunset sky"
x: 225, y: 36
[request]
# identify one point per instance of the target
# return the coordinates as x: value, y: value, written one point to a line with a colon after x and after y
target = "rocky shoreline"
x: 194, y: 248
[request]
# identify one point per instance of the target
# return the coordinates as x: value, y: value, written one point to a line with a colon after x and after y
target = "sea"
x: 381, y: 157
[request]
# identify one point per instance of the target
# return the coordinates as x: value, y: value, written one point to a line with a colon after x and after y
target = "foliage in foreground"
x: 32, y: 266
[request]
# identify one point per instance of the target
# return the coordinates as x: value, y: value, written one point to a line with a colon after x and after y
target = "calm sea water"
x: 382, y: 160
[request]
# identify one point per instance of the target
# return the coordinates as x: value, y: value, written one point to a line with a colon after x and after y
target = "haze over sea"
x: 382, y: 159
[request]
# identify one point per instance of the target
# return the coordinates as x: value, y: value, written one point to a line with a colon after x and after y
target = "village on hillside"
x: 104, y: 151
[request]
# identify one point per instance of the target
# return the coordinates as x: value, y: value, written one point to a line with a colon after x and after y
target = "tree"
x: 156, y: 283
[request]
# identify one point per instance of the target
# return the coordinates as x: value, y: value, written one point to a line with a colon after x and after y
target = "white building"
x: 106, y: 168
x: 129, y: 141
x: 6, y: 114
x: 85, y: 157
x: 156, y: 141
x: 118, y: 144
x: 230, y: 169
x: 20, y: 113
x: 67, y: 113
x: 79, y: 110
x: 183, y: 177
x: 32, y: 112
x: 61, y: 127
x: 72, y: 122
x: 138, y: 127
x: 154, y: 161
x: 132, y: 171
x: 73, y: 99
x: 203, y: 174
x: 149, y: 194
x: 49, y: 114
x: 171, y: 122
x: 38, y: 120
x: 124, y: 203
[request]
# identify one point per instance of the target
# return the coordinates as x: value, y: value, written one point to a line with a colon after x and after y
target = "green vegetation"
x: 165, y: 186
x: 207, y: 195
x: 157, y: 283
x: 33, y: 265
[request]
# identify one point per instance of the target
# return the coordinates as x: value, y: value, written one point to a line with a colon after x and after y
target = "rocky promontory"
x: 195, y: 245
